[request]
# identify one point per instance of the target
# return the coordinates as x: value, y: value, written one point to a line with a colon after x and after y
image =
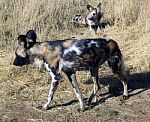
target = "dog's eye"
x: 94, y: 14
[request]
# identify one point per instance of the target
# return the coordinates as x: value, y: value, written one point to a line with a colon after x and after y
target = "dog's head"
x: 95, y: 13
x: 25, y: 42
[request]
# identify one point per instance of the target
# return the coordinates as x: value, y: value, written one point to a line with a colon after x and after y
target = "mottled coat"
x: 69, y: 56
x: 92, y: 20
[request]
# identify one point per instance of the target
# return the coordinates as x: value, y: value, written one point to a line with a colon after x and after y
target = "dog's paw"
x: 124, y: 98
x: 45, y: 107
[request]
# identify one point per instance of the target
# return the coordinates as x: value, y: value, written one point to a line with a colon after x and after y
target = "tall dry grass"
x: 45, y: 16
x: 50, y: 18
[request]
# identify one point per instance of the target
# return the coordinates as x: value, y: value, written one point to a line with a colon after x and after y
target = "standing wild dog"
x: 69, y: 56
x: 92, y: 20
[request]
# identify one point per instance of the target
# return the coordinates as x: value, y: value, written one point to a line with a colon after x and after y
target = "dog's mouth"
x: 20, y: 61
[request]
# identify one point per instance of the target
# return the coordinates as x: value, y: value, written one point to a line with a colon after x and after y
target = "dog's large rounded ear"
x: 99, y: 7
x: 22, y: 41
x: 31, y: 38
x: 90, y: 8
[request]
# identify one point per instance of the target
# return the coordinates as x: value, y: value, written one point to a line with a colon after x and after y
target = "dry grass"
x: 52, y: 19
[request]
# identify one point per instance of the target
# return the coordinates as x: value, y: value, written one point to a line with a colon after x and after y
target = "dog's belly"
x: 75, y: 67
x: 82, y: 64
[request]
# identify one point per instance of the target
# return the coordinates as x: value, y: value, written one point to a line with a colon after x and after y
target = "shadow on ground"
x: 138, y: 83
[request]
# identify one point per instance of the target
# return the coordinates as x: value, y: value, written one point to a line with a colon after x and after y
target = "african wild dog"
x: 69, y: 56
x: 92, y: 20
x: 24, y: 42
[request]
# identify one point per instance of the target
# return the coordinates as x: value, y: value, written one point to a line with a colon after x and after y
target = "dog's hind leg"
x: 120, y: 73
x: 123, y: 77
x: 96, y: 87
x: 72, y: 79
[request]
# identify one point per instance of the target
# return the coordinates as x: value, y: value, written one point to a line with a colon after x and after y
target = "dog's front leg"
x: 54, y: 84
x: 50, y: 95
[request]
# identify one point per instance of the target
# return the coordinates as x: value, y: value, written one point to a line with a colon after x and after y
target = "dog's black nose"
x: 18, y: 62
x: 94, y: 14
x: 15, y: 62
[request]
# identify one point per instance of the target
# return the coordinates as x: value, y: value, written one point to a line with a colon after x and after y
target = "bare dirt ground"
x: 24, y: 90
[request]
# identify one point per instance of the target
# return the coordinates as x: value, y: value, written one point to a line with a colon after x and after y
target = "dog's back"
x: 78, y: 54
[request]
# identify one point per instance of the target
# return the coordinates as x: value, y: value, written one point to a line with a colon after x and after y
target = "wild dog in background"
x: 92, y: 20
x: 69, y: 56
